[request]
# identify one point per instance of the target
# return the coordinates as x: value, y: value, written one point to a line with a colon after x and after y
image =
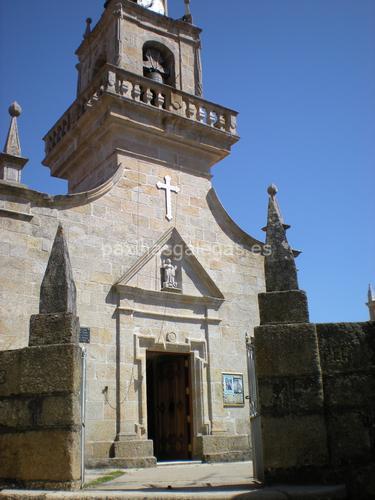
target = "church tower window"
x: 158, y: 63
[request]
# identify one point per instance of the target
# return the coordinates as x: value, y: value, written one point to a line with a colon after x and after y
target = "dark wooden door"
x: 171, y: 407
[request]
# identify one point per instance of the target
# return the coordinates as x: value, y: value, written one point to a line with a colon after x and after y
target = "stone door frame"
x: 133, y: 345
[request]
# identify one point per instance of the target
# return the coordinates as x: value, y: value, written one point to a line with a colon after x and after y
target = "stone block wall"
x: 316, y: 388
x: 40, y: 417
x: 347, y: 356
x: 291, y: 397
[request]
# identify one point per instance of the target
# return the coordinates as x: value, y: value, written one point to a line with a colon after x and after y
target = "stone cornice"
x: 227, y: 224
x: 124, y: 98
x: 167, y: 297
x: 100, y: 84
x: 167, y: 315
x: 142, y: 16
x: 67, y: 201
x: 15, y: 214
x: 16, y: 160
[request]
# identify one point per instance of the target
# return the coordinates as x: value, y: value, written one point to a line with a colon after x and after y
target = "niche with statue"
x: 171, y: 276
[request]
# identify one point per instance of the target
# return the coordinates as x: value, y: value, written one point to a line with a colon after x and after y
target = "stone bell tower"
x: 167, y: 283
x: 139, y: 95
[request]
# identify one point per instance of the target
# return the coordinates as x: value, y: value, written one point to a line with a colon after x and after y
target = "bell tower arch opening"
x: 159, y: 63
x: 98, y: 65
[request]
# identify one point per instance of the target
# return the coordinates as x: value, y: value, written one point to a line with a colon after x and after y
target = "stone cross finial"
x: 58, y: 290
x: 280, y: 267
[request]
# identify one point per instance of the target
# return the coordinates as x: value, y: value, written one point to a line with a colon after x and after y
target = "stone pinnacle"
x: 280, y: 267
x: 58, y: 290
x: 12, y: 145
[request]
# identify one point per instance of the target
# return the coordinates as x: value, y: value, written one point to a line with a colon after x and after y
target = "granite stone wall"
x: 292, y: 401
x: 99, y: 235
x: 347, y: 357
x: 317, y: 387
x: 40, y: 419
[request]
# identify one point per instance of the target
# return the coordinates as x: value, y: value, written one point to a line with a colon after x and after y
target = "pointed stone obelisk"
x: 280, y: 267
x: 58, y: 291
x: 287, y: 362
x: 45, y: 381
x: 283, y: 302
x: 11, y: 161
x: 57, y: 321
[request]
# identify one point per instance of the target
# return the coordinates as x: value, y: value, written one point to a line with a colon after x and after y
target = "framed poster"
x: 233, y: 394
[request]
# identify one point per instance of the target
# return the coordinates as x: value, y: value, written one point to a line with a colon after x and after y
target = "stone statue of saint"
x: 169, y: 274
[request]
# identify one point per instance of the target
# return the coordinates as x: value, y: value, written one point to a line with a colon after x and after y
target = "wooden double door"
x: 169, y: 405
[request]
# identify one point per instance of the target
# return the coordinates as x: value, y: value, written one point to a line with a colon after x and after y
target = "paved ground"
x: 184, y: 481
x: 180, y: 476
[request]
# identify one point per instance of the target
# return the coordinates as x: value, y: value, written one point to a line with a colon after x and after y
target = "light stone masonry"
x: 114, y: 145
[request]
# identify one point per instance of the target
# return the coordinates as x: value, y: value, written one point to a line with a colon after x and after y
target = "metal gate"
x: 83, y: 412
x: 255, y: 419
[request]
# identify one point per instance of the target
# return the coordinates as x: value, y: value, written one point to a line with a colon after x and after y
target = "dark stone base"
x: 224, y: 448
x: 40, y: 485
x: 286, y: 350
x: 283, y: 307
x: 57, y: 328
x: 40, y: 422
x: 230, y: 456
x: 359, y: 480
x: 297, y: 475
x: 123, y: 463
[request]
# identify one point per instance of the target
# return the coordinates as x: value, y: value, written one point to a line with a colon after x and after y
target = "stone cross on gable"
x: 168, y: 198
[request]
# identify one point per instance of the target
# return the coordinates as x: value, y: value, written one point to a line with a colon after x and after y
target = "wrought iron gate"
x: 83, y: 412
x: 255, y: 419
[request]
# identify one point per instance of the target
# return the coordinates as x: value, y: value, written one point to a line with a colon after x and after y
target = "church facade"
x: 167, y: 283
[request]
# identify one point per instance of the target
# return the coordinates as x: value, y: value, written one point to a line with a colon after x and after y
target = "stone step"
x: 229, y: 456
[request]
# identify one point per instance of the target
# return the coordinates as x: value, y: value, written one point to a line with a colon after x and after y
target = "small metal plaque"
x: 84, y: 335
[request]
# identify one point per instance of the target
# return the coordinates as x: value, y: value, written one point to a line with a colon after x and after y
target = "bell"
x: 156, y: 76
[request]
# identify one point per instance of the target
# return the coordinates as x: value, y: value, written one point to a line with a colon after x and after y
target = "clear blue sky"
x: 302, y: 75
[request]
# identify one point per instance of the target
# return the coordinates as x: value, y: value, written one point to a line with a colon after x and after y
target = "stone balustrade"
x: 113, y: 80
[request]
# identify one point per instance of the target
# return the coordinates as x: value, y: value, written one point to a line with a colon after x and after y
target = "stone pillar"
x: 40, y: 389
x: 288, y: 367
x: 132, y: 448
